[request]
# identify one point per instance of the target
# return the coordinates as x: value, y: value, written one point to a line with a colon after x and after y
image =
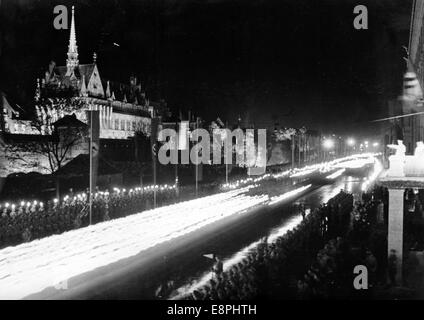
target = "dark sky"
x: 294, y: 62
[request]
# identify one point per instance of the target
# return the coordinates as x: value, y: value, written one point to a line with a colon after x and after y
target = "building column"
x: 395, y: 232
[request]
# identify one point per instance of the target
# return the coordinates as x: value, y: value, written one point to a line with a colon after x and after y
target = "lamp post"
x: 90, y: 198
x: 293, y: 148
x: 351, y: 143
x: 328, y: 144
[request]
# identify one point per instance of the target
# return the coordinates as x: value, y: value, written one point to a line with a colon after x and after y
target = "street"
x: 182, y: 260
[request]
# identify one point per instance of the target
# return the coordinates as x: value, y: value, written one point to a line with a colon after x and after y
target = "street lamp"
x: 375, y: 144
x: 350, y: 142
x: 328, y: 144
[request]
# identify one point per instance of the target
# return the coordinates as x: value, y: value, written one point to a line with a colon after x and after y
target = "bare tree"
x: 50, y: 140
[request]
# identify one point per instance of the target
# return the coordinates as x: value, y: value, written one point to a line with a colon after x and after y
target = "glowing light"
x: 238, y: 257
x: 336, y: 174
x: 304, y: 172
x: 355, y: 163
x: 33, y: 266
x: 289, y: 194
x: 328, y: 143
x: 378, y: 168
x: 351, y: 142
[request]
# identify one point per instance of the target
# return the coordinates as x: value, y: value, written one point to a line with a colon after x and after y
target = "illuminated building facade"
x: 75, y: 88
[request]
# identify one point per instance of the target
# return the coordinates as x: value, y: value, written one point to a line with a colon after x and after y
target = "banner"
x: 183, y: 134
x: 154, y: 136
x: 94, y: 144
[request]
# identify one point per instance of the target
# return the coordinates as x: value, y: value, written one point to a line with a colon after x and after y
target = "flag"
x: 199, y: 175
x: 220, y: 123
x: 154, y: 136
x: 411, y: 86
x: 94, y: 131
x: 183, y: 135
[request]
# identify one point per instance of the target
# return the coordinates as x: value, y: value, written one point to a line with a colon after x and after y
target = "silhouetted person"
x: 218, y: 266
x: 392, y: 267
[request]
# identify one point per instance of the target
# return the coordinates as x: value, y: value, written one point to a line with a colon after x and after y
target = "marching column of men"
x: 33, y: 220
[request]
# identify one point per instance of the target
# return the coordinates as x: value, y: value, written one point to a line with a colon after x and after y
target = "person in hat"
x: 218, y: 266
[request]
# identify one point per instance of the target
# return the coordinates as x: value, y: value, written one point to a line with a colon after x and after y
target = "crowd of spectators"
x: 270, y: 270
x: 414, y: 219
x: 331, y: 274
x: 365, y: 243
x: 326, y: 246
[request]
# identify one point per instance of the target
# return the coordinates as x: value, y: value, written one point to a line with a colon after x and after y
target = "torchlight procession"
x: 30, y: 268
x: 180, y: 155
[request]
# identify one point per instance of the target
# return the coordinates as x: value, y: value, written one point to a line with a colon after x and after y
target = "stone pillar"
x: 395, y: 232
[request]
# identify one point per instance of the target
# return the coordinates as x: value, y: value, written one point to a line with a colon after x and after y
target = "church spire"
x: 72, y: 61
x: 108, y: 90
x: 37, y: 91
x: 83, y: 90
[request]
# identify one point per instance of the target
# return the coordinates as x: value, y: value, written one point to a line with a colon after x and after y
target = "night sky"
x: 290, y: 62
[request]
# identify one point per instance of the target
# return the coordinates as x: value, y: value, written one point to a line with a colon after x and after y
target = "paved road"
x: 182, y: 259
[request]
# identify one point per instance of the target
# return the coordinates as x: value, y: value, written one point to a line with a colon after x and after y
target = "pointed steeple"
x: 83, y: 90
x: 72, y: 61
x: 37, y: 91
x: 108, y: 90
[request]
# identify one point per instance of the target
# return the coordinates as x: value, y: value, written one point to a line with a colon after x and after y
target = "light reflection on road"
x: 311, y: 201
